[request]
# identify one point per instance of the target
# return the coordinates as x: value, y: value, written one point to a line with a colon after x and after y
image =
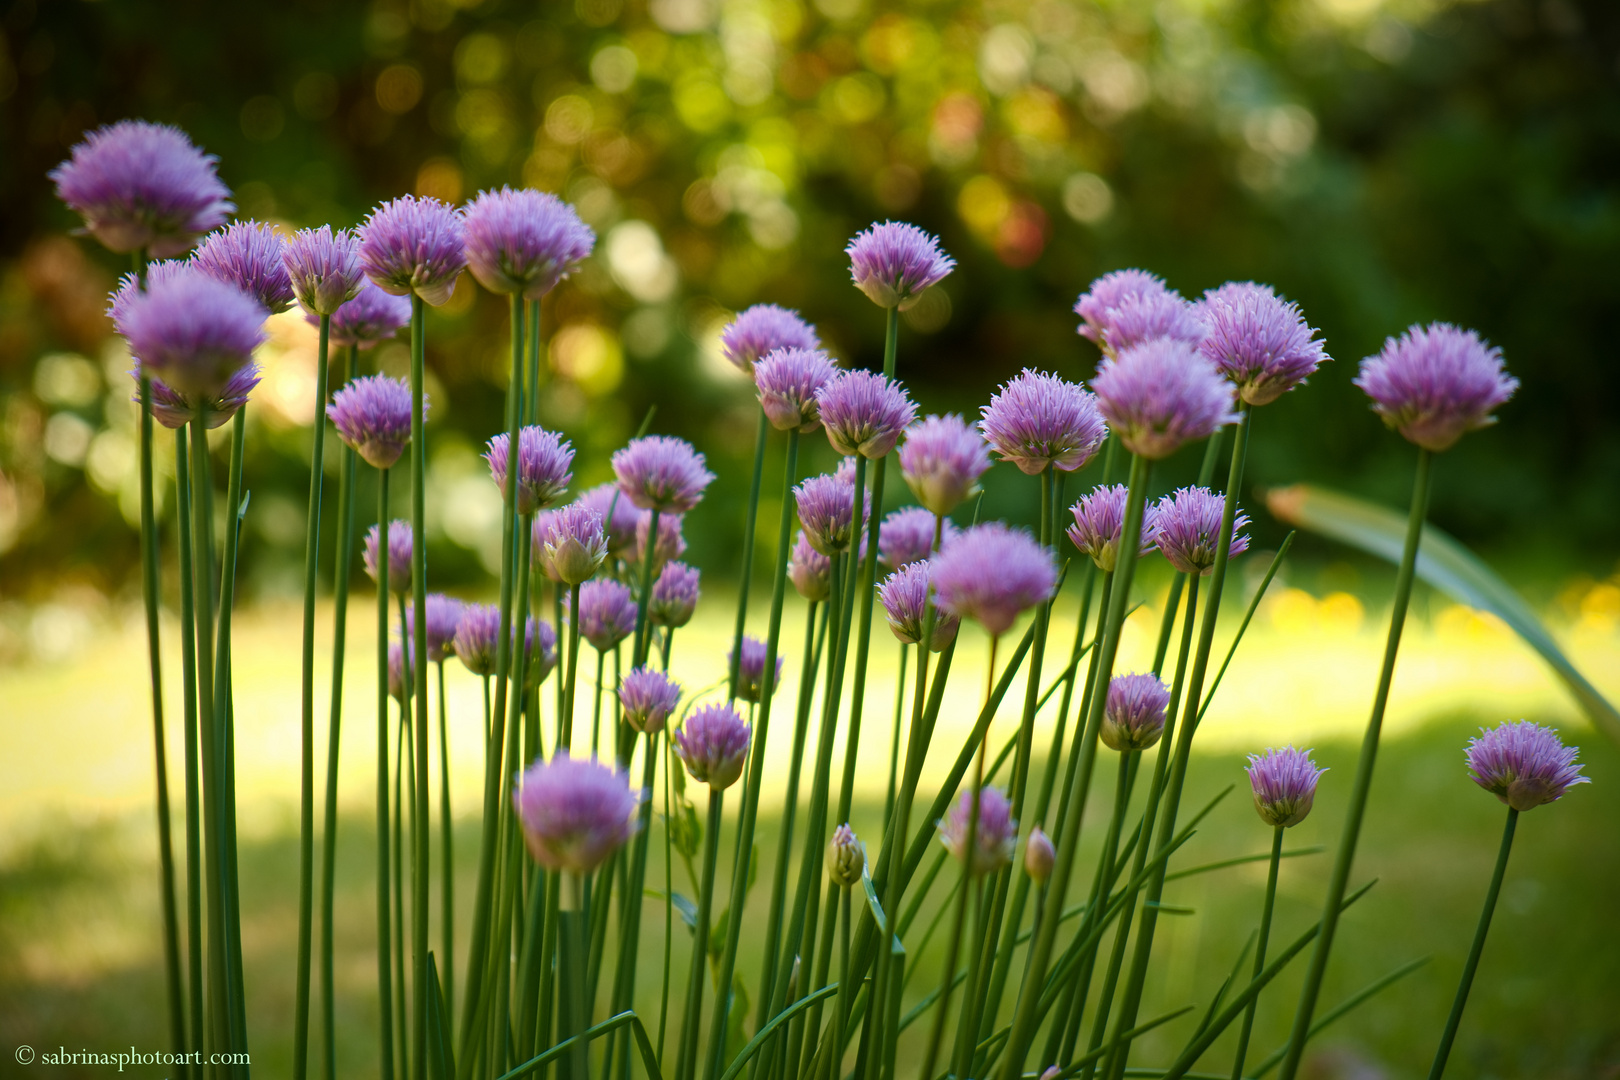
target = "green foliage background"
x: 1380, y: 161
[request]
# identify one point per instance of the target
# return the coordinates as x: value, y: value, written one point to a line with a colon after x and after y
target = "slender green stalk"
x: 1449, y: 1036
x: 565, y: 723
x: 1122, y: 932
x: 1161, y: 768
x: 385, y: 980
x: 418, y: 669
x: 188, y: 668
x: 495, y: 757
x: 574, y: 1016
x: 894, y: 739
x: 1259, y: 952
x: 402, y: 1024
x: 1364, y: 770
x: 686, y: 1060
x: 340, y: 622
x: 447, y: 884
x: 149, y: 593
x: 531, y: 397
x: 1040, y: 953
x: 1119, y: 1057
x: 790, y: 809
x: 740, y: 871
x: 306, y: 772
x: 218, y: 1009
x: 669, y: 906
x: 745, y: 575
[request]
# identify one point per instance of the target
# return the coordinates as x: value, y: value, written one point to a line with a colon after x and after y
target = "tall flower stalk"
x: 1432, y: 384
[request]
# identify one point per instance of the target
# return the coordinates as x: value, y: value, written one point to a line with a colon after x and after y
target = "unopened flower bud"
x: 846, y: 857
x: 1039, y: 855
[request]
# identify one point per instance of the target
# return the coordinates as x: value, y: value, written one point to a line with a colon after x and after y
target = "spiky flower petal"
x: 607, y: 613
x: 864, y: 413
x: 544, y: 462
x: 904, y: 595
x: 674, y: 596
x: 250, y: 256
x: 323, y: 268
x: 787, y: 381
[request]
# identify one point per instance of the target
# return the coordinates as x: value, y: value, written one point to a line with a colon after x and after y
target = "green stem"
x: 686, y: 1061
x: 669, y: 907
x: 447, y: 885
x: 573, y: 1017
x: 384, y: 875
x: 340, y: 622
x: 1364, y: 770
x: 1260, y: 951
x: 643, y: 629
x: 418, y: 670
x: 1040, y: 953
x: 494, y: 762
x: 565, y: 723
x: 1116, y: 960
x: 1119, y: 1056
x: 1449, y: 1036
x: 306, y: 772
x: 740, y: 871
x: 217, y: 1032
x: 894, y: 738
x: 745, y: 575
x: 149, y: 593
x: 188, y: 668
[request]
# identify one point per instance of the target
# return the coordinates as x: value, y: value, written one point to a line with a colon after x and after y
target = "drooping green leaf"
x: 1443, y: 563
x: 687, y: 909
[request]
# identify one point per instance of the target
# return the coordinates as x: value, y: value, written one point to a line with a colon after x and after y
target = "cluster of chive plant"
x: 553, y: 976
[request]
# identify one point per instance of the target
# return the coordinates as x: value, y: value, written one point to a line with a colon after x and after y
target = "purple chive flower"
x: 130, y: 289
x: 648, y: 698
x: 173, y: 409
x: 539, y: 529
x: 373, y: 415
x: 671, y: 544
x: 619, y: 515
x: 1108, y: 293
x: 1161, y: 394
x: 763, y: 329
x: 810, y: 570
x: 574, y: 544
x: 575, y: 812
x: 893, y: 263
x: 398, y: 675
x: 1189, y: 528
x: 674, y: 596
x: 323, y: 268
x: 399, y: 555
x: 372, y: 316
x: 1435, y: 383
x: 1523, y: 764
x: 788, y: 381
x: 864, y: 413
x: 657, y: 472
x: 193, y: 332
x: 539, y: 652
x: 607, y: 613
x: 942, y: 460
x: 443, y: 617
x: 523, y: 241
x: 908, y: 535
x: 1259, y: 340
x: 992, y: 573
x: 413, y: 245
x: 1133, y: 714
x: 1099, y: 522
x: 249, y: 255
x: 1036, y: 420
x: 1039, y: 855
x: 1284, y: 783
x: 714, y: 744
x: 544, y: 459
x: 994, y: 839
x: 1150, y: 317
x: 904, y: 595
x: 478, y: 635
x: 143, y: 186
x: 751, y: 671
x: 826, y: 505
x: 846, y: 857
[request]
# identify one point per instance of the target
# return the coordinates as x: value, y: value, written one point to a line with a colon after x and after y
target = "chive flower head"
x: 1039, y: 855
x: 399, y: 555
x: 323, y: 268
x: 523, y: 241
x: 478, y: 635
x: 1259, y: 340
x: 942, y: 460
x: 372, y: 415
x: 619, y: 515
x: 1436, y: 383
x: 787, y: 381
x: 1099, y: 522
x: 1189, y: 529
x: 1152, y: 316
x: 670, y: 544
x: 751, y: 670
x: 575, y: 812
x: 993, y: 573
x: 140, y: 186
x: 761, y: 330
x: 1133, y: 713
x: 192, y: 331
x: 544, y: 461
x: 658, y: 472
x: 648, y: 698
x: 1036, y: 420
x: 846, y: 857
x: 904, y: 595
x: 443, y: 616
x: 713, y: 743
x: 607, y: 613
x: 1284, y: 785
x: 1524, y: 765
x: 826, y: 505
x: 574, y: 544
x: 412, y: 245
x: 810, y: 570
x: 250, y: 256
x: 674, y: 595
x: 893, y: 263
x: 1161, y: 394
x: 173, y: 409
x: 372, y: 316
x: 994, y: 840
x: 864, y: 413
x: 1106, y: 294
x: 908, y: 535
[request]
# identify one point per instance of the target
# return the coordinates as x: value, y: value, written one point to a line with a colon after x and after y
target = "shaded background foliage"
x: 1380, y: 161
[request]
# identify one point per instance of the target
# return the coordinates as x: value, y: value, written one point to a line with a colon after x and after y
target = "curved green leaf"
x: 1446, y: 565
